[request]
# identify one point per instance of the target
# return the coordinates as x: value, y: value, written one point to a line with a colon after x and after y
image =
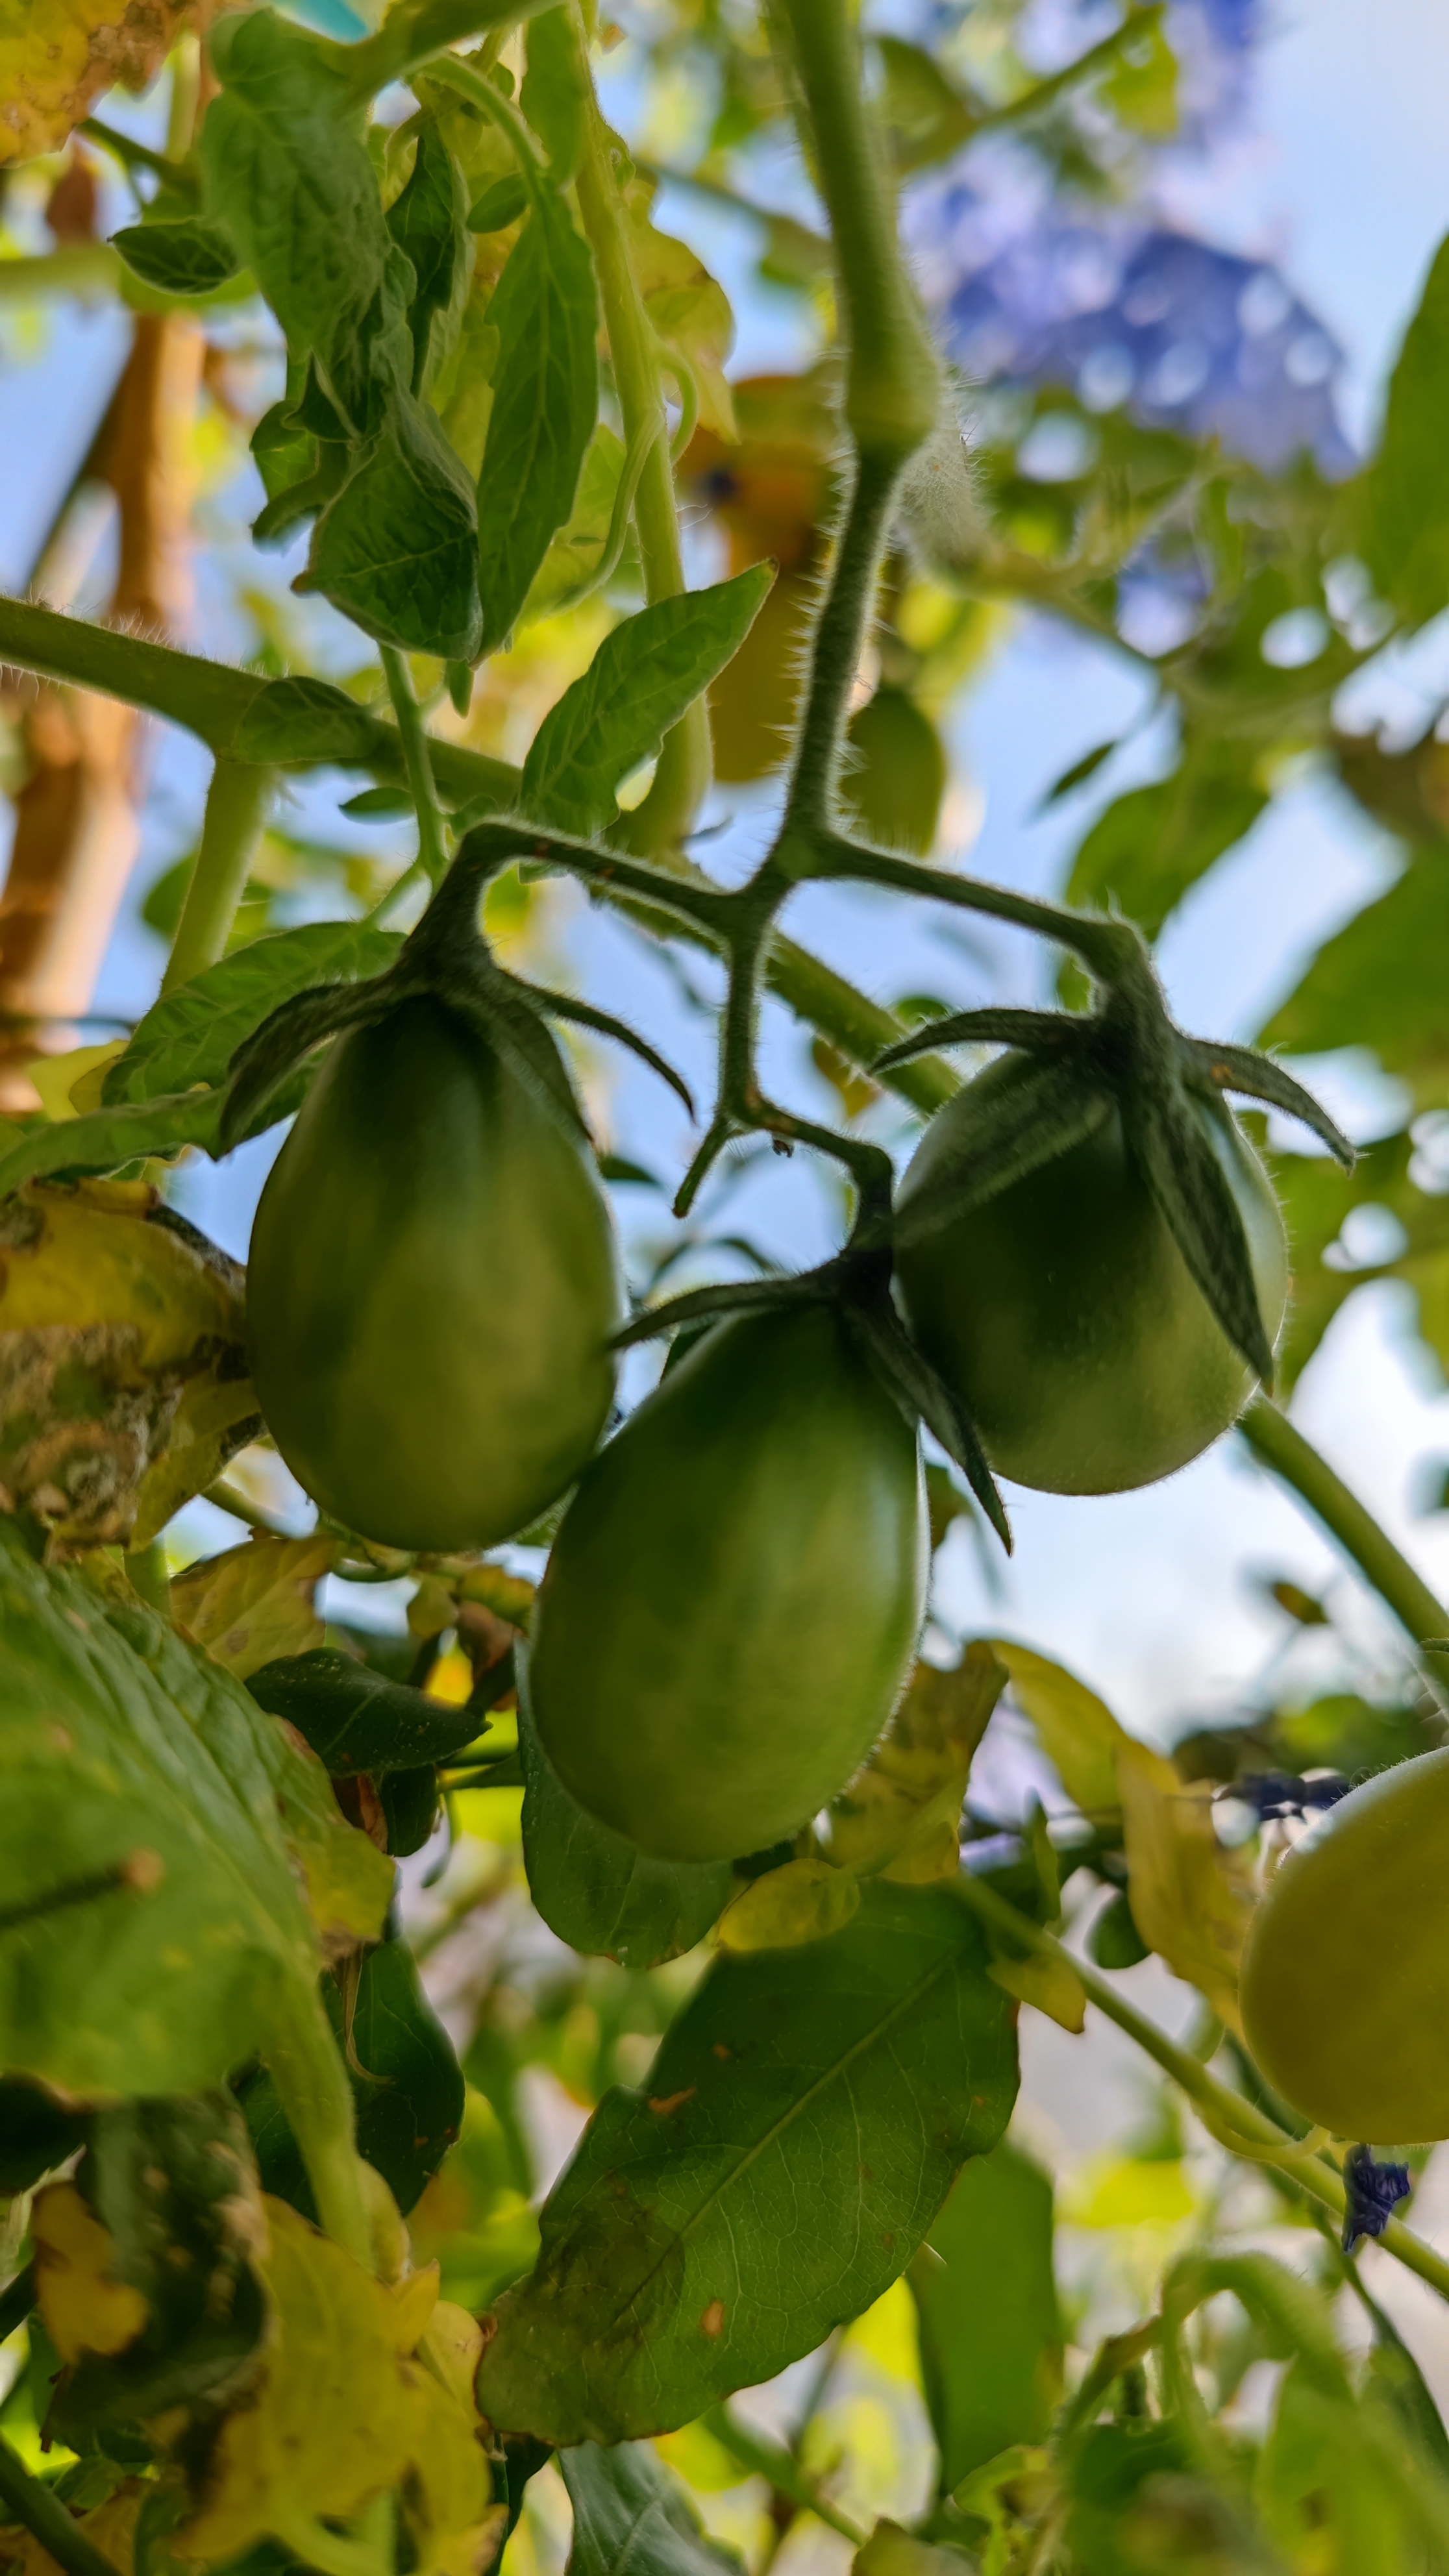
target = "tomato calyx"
x: 446, y: 959
x: 1127, y: 1055
x: 857, y: 1281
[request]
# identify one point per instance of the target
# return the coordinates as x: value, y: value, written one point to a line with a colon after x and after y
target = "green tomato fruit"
x: 432, y: 1286
x: 1063, y: 1313
x: 895, y: 774
x: 732, y: 1603
x: 1344, y: 1983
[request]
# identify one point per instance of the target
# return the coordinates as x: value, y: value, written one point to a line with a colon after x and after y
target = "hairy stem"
x: 42, y: 2514
x: 313, y: 2090
x: 892, y: 383
x: 837, y: 644
x: 237, y: 805
x: 682, y: 776
x: 432, y: 851
x: 1224, y: 2112
x: 1278, y: 1445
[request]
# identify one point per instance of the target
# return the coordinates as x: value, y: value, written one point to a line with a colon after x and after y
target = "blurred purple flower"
x: 1120, y: 309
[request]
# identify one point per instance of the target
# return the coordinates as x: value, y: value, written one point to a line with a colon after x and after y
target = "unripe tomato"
x: 1063, y: 1313
x: 432, y: 1286
x: 731, y: 1605
x: 1345, y: 1976
x: 892, y: 786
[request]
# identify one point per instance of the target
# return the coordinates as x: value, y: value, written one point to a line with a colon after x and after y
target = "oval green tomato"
x: 895, y: 774
x: 432, y: 1285
x: 1344, y: 1982
x: 1063, y: 1312
x: 733, y: 1599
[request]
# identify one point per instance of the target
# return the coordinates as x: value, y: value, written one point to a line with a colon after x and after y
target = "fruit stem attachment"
x: 1227, y: 2115
x: 682, y: 774
x: 1278, y: 1445
x: 432, y: 849
x: 237, y: 805
x: 313, y: 2090
x: 40, y: 2512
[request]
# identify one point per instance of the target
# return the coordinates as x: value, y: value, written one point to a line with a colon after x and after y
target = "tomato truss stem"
x: 1227, y: 2115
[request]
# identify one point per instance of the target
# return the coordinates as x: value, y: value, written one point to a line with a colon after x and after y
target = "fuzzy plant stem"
x: 237, y: 805
x: 432, y: 849
x: 1278, y: 1445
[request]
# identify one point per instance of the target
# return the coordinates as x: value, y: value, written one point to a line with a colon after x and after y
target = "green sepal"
x: 1256, y: 1076
x: 702, y: 1305
x: 1046, y: 1033
x: 921, y: 1392
x: 1187, y: 1182
x: 1055, y: 1106
x: 567, y: 1006
x: 262, y: 1063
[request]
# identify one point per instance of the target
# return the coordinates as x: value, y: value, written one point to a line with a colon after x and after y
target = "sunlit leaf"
x: 56, y: 61
x: 1078, y: 1732
x: 1191, y: 1898
x: 256, y: 1601
x: 86, y: 2308
x: 807, y: 1900
x: 927, y: 1747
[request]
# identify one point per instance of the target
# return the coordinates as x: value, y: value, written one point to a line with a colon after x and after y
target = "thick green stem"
x: 1276, y: 1443
x: 32, y: 2505
x: 838, y: 642
x: 893, y: 383
x: 77, y: 268
x: 682, y: 776
x: 313, y: 2090
x: 432, y: 850
x: 1222, y: 2110
x: 237, y: 805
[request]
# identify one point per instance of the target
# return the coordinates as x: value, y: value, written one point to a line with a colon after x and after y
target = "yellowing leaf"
x: 1142, y: 86
x: 70, y: 1083
x: 1078, y: 1732
x: 1052, y: 1985
x: 342, y: 2415
x: 1190, y: 1898
x: 57, y: 56
x: 807, y: 1900
x: 890, y: 2551
x: 255, y: 1602
x: 689, y: 310
x: 84, y: 2307
x: 123, y: 1372
x: 109, y: 2527
x: 927, y: 1746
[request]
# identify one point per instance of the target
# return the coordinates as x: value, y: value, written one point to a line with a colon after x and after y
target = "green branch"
x: 313, y: 2090
x: 237, y: 805
x: 76, y: 268
x: 1227, y: 2115
x: 41, y: 2513
x: 767, y: 2460
x: 1279, y: 1446
x: 432, y: 849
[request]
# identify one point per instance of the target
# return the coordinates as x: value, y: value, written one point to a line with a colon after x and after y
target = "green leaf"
x: 428, y: 223
x: 1404, y: 507
x: 806, y: 2114
x: 153, y: 1920
x: 578, y: 549
x: 631, y: 2518
x: 499, y: 206
x: 555, y: 87
x: 545, y: 311
x: 357, y: 1720
x: 173, y: 2183
x: 591, y: 1886
x: 187, y: 258
x: 406, y: 2083
x: 986, y: 2306
x: 294, y: 723
x: 639, y: 683
x: 397, y: 550
x: 106, y: 1140
x: 288, y: 174
x: 923, y: 112
x: 1379, y: 982
x: 1152, y: 844
x: 191, y: 1035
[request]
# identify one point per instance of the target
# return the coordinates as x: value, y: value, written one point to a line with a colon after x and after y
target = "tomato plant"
x: 521, y: 1898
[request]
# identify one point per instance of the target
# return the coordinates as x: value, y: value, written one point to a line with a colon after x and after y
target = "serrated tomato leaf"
x: 186, y: 258
x: 192, y: 1034
x: 396, y: 550
x: 428, y: 223
x: 805, y: 2117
